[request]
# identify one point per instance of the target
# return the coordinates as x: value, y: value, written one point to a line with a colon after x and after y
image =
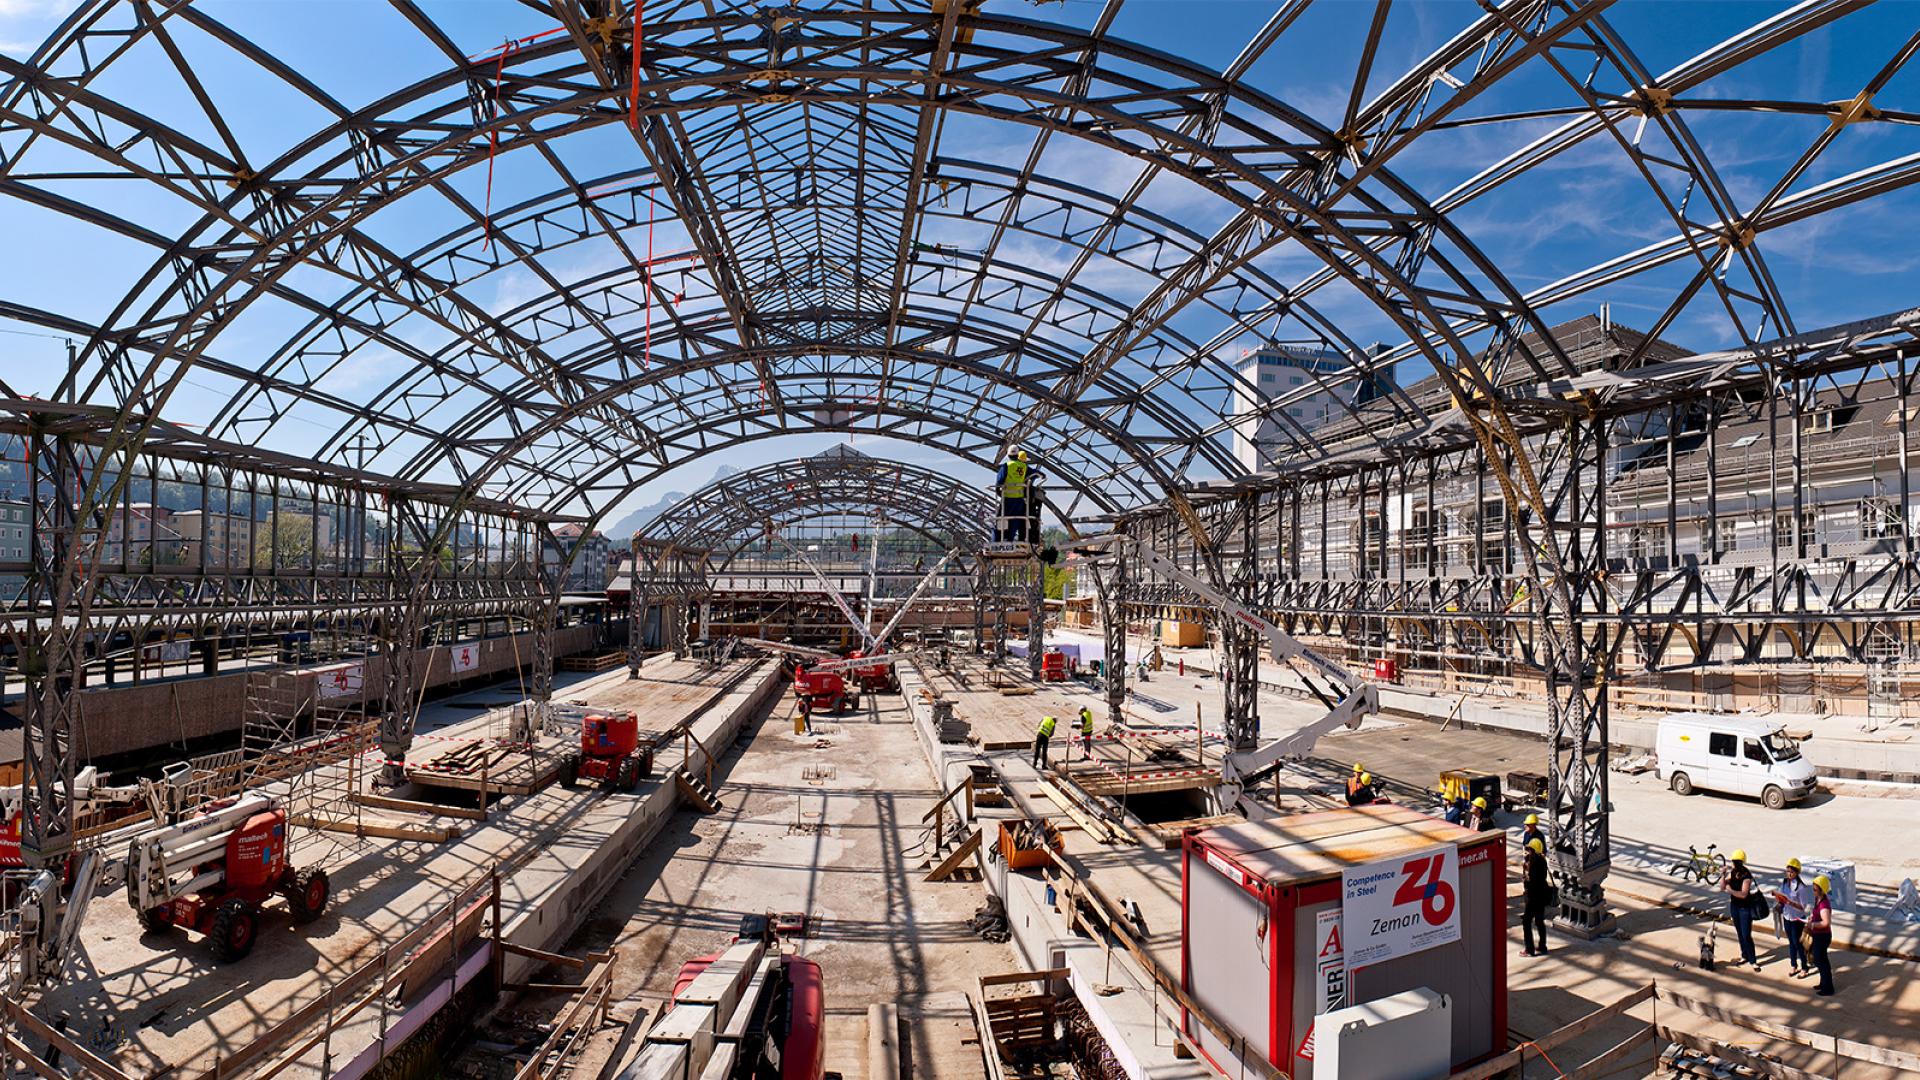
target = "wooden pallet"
x: 599, y: 662
x: 489, y: 767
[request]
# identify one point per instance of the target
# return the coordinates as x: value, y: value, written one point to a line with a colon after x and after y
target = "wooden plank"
x: 91, y: 1061
x: 1010, y: 977
x: 532, y: 953
x: 1731, y: 1053
x: 1611, y: 1059
x: 1093, y: 827
x: 432, y: 962
x: 1813, y: 1040
x: 432, y: 834
x: 1514, y: 1057
x: 18, y: 1053
x: 387, y: 802
x: 957, y: 859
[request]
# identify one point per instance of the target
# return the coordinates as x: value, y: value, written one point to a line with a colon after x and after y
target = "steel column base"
x: 1583, y: 912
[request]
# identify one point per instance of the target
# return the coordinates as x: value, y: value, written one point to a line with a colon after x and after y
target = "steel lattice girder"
x: 848, y: 71
x: 725, y: 516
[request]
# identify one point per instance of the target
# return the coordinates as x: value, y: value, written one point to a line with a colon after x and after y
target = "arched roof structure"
x: 747, y: 507
x: 554, y: 269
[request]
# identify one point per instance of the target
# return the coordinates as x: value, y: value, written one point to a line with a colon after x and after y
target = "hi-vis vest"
x: 1046, y: 727
x: 1015, y: 485
x: 1086, y: 721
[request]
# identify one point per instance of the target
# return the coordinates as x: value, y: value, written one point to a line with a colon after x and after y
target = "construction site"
x: 959, y: 540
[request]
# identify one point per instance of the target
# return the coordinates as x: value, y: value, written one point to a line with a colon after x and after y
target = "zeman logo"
x: 1421, y: 883
x: 1401, y: 906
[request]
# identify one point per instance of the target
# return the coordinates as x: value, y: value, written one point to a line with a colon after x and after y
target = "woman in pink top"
x: 1820, y: 926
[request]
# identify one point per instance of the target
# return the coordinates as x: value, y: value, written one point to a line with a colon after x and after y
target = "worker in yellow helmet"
x: 1537, y: 895
x: 1086, y: 732
x: 1742, y: 900
x: 1012, y: 482
x: 1820, y: 933
x: 1353, y: 785
x: 1531, y: 831
x: 1481, y: 820
x: 1795, y: 898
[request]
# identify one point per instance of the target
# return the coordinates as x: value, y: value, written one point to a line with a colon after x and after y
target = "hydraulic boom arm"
x: 1354, y: 698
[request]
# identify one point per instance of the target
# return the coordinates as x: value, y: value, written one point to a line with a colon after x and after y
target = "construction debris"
x: 990, y: 922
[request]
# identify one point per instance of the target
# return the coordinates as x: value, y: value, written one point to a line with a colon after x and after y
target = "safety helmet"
x: 1480, y: 801
x: 1366, y: 778
x: 1533, y: 819
x: 1793, y: 864
x: 1019, y: 455
x: 1357, y: 770
x: 1537, y: 846
x: 1823, y: 883
x: 1739, y: 855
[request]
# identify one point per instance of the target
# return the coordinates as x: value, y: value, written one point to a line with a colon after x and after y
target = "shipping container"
x: 1265, y: 948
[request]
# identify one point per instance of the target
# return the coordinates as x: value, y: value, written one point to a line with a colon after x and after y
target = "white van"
x: 1740, y: 755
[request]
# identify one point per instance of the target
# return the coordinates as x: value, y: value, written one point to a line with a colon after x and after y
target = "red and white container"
x: 1265, y: 945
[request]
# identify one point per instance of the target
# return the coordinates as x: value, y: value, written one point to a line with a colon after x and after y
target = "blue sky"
x: 1589, y: 205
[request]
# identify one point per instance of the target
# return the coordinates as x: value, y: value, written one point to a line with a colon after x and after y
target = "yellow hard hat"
x: 1019, y: 455
x: 1739, y: 854
x: 1366, y: 778
x: 1537, y: 846
x: 1821, y: 882
x: 1357, y: 769
x: 1533, y: 819
x: 1793, y: 864
x: 1480, y: 802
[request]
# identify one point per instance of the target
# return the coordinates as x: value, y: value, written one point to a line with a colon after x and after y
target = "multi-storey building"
x: 590, y: 570
x: 1294, y: 385
x: 226, y: 538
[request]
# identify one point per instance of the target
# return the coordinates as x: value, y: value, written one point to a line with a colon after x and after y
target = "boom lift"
x: 1352, y: 698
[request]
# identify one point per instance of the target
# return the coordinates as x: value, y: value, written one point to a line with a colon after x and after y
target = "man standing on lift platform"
x: 1013, y: 480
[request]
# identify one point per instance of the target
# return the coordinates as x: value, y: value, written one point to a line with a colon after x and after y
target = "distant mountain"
x: 622, y: 530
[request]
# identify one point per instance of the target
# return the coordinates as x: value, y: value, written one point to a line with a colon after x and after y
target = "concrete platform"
x: 1878, y: 1002
x: 160, y: 1003
x: 830, y: 825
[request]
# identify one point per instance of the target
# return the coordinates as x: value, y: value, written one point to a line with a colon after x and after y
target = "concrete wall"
x: 128, y: 719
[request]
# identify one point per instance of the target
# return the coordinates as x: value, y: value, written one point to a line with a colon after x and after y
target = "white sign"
x: 1329, y: 962
x: 1400, y: 906
x: 168, y: 651
x: 1225, y: 867
x: 465, y: 657
x: 343, y: 680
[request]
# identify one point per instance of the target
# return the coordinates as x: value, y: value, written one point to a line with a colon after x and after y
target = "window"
x: 1298, y: 380
x: 1753, y: 752
x: 1720, y: 744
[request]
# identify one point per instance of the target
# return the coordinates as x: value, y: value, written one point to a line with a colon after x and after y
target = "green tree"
x: 291, y: 535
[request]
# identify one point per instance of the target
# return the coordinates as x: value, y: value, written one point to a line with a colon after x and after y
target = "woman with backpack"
x: 1738, y: 885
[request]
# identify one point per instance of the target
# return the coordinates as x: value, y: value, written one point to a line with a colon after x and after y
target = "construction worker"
x: 1363, y: 793
x: 1531, y: 831
x: 1537, y: 897
x: 1481, y: 820
x: 806, y: 716
x: 1739, y: 886
x: 1086, y: 731
x: 1013, y: 498
x: 1041, y: 736
x: 1353, y: 783
x: 1796, y: 903
x: 1820, y: 932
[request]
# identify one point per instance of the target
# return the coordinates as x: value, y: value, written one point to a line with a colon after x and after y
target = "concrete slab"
x: 154, y: 1003
x: 829, y: 825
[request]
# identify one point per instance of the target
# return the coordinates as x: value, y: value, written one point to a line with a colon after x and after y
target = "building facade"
x: 1294, y: 386
x: 591, y: 569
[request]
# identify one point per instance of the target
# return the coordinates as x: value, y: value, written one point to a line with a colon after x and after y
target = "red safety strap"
x: 639, y: 25
x: 646, y: 364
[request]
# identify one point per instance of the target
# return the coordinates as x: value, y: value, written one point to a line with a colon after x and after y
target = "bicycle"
x: 1706, y: 867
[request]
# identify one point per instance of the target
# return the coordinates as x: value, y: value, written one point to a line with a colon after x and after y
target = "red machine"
x: 874, y: 678
x: 1053, y: 666
x: 824, y: 691
x: 789, y: 1011
x: 235, y: 858
x: 610, y: 752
